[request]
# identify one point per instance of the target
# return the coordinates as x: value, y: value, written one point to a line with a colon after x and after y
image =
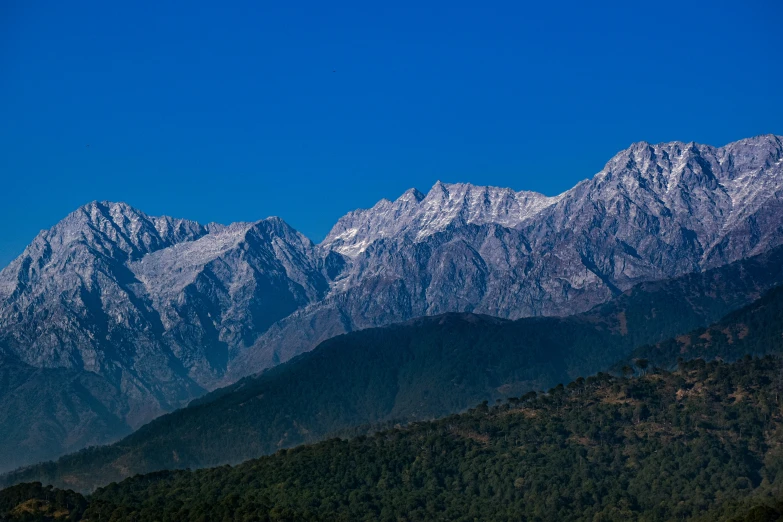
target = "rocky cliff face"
x: 157, y: 306
x: 653, y: 212
x: 415, y: 216
x: 164, y: 309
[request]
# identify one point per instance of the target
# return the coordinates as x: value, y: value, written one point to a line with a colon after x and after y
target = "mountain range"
x: 431, y: 367
x: 153, y: 312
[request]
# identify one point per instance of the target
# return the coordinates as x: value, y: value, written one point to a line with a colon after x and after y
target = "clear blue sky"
x: 221, y: 112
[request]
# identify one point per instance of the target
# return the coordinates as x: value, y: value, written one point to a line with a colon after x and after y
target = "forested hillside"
x: 756, y: 329
x: 702, y: 443
x: 423, y: 369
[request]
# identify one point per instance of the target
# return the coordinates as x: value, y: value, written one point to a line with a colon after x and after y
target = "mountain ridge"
x: 166, y: 309
x: 698, y: 444
x: 653, y: 212
x: 424, y: 368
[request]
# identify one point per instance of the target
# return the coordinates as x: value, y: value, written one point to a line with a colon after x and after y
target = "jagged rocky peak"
x: 100, y: 229
x: 761, y: 152
x: 276, y: 227
x: 418, y: 216
x: 269, y: 245
x: 104, y: 225
x: 156, y: 305
x: 704, y: 188
x: 657, y: 167
x: 355, y: 231
x: 676, y: 160
x: 129, y: 229
x: 464, y: 203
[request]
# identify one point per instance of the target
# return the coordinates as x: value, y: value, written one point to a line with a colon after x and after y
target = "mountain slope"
x: 152, y: 308
x: 425, y: 368
x: 654, y: 212
x: 165, y: 310
x: 46, y: 412
x: 699, y: 444
x: 155, y: 306
x: 418, y: 216
x: 109, y: 278
x: 756, y: 329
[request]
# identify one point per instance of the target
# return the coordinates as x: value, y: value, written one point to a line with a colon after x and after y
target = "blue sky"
x: 307, y: 110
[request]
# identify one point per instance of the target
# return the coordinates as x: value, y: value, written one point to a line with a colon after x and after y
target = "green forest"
x: 755, y: 329
x: 701, y: 443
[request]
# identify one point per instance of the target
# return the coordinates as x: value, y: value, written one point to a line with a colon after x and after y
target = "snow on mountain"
x: 653, y: 212
x: 417, y: 216
x: 165, y: 308
x: 153, y: 304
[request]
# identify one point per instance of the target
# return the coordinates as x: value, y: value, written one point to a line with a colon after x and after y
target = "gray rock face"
x: 164, y: 309
x: 653, y: 212
x: 155, y: 305
x: 414, y: 216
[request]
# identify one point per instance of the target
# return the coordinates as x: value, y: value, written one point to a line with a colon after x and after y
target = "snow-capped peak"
x: 418, y: 215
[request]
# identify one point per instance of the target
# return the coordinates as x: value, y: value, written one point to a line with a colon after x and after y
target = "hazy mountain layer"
x: 421, y: 369
x: 45, y: 412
